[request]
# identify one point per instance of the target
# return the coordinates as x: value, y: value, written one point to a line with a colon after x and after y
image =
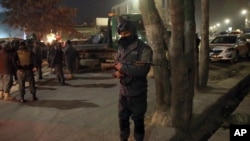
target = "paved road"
x: 86, y: 110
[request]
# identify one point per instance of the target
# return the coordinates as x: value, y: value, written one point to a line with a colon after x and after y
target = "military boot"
x: 70, y: 76
x: 8, y: 97
x: 22, y: 100
x: 34, y: 98
x: 1, y: 95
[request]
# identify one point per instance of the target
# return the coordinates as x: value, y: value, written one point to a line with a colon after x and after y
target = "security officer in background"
x: 57, y: 62
x: 133, y: 80
x: 14, y: 48
x: 24, y: 63
x: 6, y: 72
x: 70, y: 55
x: 37, y: 50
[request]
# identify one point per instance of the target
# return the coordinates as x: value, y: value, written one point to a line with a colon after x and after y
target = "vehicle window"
x: 230, y: 39
x: 225, y: 39
x: 243, y: 39
x: 247, y: 36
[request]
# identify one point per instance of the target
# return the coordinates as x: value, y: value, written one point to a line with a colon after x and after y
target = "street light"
x: 245, y: 12
x: 227, y: 21
x: 230, y: 28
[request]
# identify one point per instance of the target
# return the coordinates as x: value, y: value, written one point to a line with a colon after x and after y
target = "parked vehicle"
x: 247, y: 36
x: 229, y: 47
x: 102, y: 47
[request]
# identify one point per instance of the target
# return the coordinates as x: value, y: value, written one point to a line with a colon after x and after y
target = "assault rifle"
x: 108, y: 66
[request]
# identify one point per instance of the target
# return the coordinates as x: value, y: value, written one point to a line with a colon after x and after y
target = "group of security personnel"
x: 133, y: 78
x: 19, y: 60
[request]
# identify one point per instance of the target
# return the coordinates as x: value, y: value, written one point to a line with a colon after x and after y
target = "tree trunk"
x: 204, y: 50
x: 196, y: 67
x: 163, y: 12
x: 178, y: 67
x: 155, y: 35
x: 182, y: 63
x: 190, y: 48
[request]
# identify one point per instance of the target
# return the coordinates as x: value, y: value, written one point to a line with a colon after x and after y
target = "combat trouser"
x: 136, y: 108
x: 6, y: 82
x: 39, y: 72
x: 26, y: 75
x: 59, y: 74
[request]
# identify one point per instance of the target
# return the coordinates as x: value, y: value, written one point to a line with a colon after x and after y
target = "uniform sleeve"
x: 117, y: 54
x: 147, y: 54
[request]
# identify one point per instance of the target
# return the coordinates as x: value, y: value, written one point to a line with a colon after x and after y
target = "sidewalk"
x: 220, y: 83
x: 242, y: 112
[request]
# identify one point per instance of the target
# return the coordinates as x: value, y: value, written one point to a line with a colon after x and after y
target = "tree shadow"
x: 49, y: 81
x: 44, y: 88
x: 212, y: 90
x: 54, y: 82
x: 61, y: 104
x: 94, y: 78
x: 103, y: 85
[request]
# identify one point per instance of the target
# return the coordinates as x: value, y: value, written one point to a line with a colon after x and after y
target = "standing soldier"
x: 133, y: 80
x: 29, y: 44
x: 24, y: 64
x: 70, y: 55
x: 49, y: 56
x: 57, y: 62
x: 6, y: 72
x: 38, y: 58
x: 14, y: 48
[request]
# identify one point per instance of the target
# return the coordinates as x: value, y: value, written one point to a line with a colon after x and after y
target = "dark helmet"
x: 22, y: 44
x: 126, y: 25
x: 68, y: 42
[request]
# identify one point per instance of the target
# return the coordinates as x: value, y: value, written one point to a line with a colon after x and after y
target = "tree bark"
x: 189, y: 10
x: 178, y: 67
x: 182, y: 63
x: 155, y: 35
x: 204, y: 50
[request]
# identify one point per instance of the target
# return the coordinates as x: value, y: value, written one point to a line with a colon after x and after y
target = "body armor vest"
x: 24, y: 57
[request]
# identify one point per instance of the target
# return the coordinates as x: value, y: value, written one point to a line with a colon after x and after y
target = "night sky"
x: 88, y: 10
x: 222, y: 9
